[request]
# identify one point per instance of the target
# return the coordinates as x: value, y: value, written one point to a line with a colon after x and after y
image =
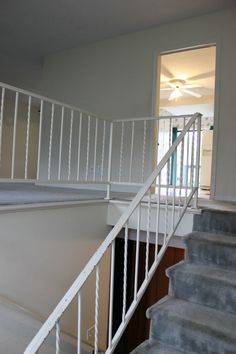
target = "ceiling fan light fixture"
x: 175, y: 94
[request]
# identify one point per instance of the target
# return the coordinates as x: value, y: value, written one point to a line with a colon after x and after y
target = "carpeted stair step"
x: 154, y: 347
x: 216, y: 221
x: 192, y: 328
x: 206, y: 285
x: 209, y: 248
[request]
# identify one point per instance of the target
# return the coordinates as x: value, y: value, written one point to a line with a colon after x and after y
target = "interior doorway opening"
x: 186, y: 81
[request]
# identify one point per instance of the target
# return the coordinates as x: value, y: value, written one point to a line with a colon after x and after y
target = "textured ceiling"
x: 35, y: 28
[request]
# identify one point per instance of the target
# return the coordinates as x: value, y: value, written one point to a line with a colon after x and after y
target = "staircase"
x: 199, y: 314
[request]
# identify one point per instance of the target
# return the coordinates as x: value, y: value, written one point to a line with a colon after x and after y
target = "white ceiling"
x: 34, y: 28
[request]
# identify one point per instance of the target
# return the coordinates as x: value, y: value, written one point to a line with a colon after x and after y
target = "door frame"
x: 156, y: 99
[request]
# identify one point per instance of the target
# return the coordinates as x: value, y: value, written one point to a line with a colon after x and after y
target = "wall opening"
x: 186, y: 81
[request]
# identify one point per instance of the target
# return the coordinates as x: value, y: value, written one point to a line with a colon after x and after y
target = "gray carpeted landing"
x: 29, y: 193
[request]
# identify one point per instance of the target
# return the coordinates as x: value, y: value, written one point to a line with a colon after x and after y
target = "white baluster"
x: 61, y: 141
x: 144, y: 147
x: 70, y: 144
x: 125, y: 273
x: 88, y: 148
x: 121, y: 149
x: 103, y: 149
x: 131, y: 152
x: 79, y: 146
x: 14, y: 136
x: 198, y: 150
x: 111, y: 294
x: 50, y: 142
x: 96, y: 310
x: 40, y: 137
x: 137, y: 253
x: 58, y: 338
x: 1, y: 121
x: 181, y: 174
x: 192, y: 157
x: 27, y: 137
x: 170, y: 132
x: 167, y: 202
x: 79, y: 315
x: 148, y: 234
x: 108, y: 196
x: 174, y: 187
x: 158, y: 216
x: 95, y: 149
x: 187, y: 172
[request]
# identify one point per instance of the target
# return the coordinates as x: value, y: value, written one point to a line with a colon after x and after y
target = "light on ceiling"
x: 175, y: 94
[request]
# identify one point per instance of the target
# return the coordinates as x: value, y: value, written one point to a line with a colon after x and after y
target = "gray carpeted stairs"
x: 199, y: 314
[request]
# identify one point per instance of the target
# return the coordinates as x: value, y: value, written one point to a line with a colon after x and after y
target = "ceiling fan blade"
x: 189, y: 92
x: 166, y: 72
x: 164, y: 82
x: 202, y: 76
x: 166, y: 89
x: 188, y: 86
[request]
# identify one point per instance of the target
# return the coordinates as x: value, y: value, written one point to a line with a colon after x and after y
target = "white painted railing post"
x: 96, y: 324
x: 14, y: 136
x: 1, y: 121
x: 112, y: 275
x: 108, y: 196
x: 198, y: 150
x: 58, y: 338
x: 40, y: 138
x: 50, y: 140
x: 61, y: 142
x: 103, y: 149
x: 79, y: 322
x: 27, y: 137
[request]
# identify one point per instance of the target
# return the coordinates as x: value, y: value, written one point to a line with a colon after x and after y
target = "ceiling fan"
x: 179, y: 86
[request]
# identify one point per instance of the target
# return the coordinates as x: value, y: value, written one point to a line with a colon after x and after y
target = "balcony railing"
x: 51, y: 142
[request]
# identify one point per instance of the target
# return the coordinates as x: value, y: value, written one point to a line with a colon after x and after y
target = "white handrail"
x: 49, y: 100
x: 96, y: 258
x: 75, y: 108
x: 150, y: 118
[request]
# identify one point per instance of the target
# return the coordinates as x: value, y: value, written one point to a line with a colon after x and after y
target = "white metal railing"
x: 173, y: 215
x: 44, y: 139
x: 51, y: 142
x: 134, y: 143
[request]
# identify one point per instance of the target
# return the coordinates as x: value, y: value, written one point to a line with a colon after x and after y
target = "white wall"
x: 21, y: 72
x: 115, y: 78
x: 44, y: 249
x: 116, y: 208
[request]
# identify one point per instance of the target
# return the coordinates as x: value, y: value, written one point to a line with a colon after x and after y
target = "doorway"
x: 186, y: 81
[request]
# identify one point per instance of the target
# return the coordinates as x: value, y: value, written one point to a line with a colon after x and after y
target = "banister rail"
x: 50, y: 141
x: 177, y: 200
x: 55, y: 143
x: 150, y: 118
x: 47, y: 99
